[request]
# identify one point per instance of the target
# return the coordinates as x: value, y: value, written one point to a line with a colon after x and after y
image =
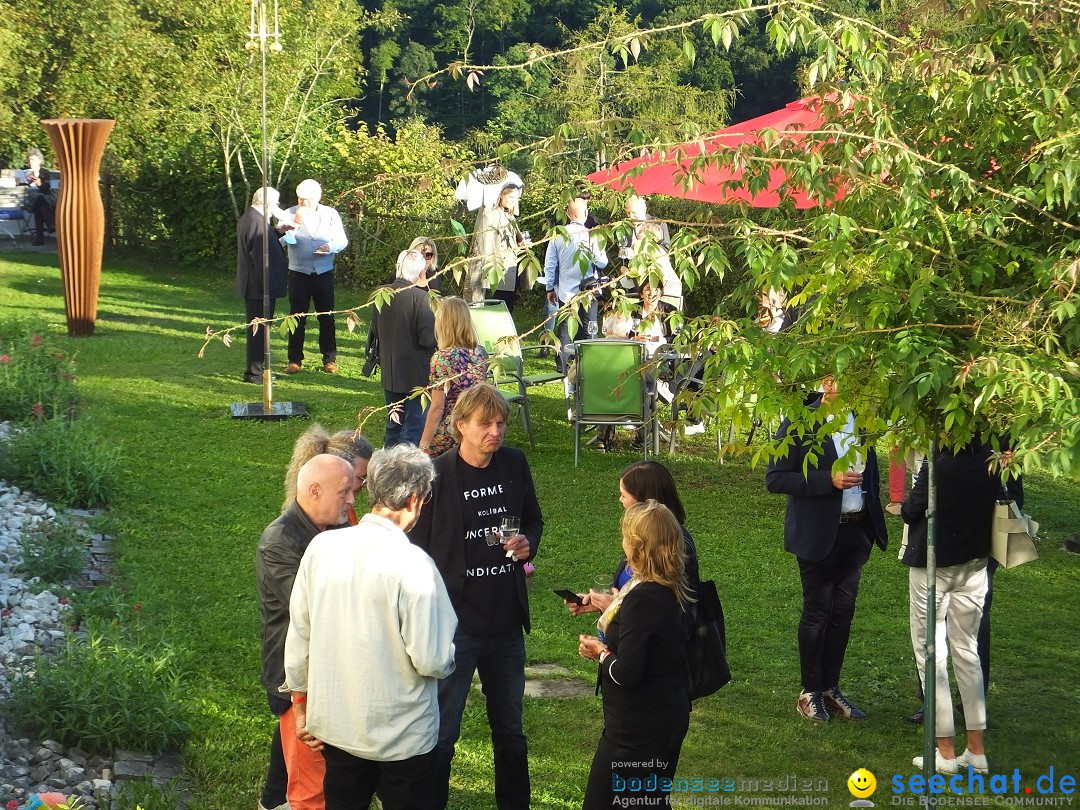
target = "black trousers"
x: 612, y: 783
x: 256, y: 347
x: 44, y: 212
x: 277, y: 776
x: 830, y: 587
x: 306, y: 290
x: 407, y: 784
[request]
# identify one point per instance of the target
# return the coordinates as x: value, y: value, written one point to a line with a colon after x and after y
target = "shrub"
x: 144, y: 794
x: 63, y: 462
x: 37, y: 379
x: 105, y: 604
x: 54, y: 551
x: 103, y: 692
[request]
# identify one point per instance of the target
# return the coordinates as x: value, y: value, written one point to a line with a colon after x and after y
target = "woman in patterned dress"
x: 460, y: 363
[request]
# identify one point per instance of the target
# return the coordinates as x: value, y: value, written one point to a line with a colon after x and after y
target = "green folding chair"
x: 611, y: 389
x: 497, y: 333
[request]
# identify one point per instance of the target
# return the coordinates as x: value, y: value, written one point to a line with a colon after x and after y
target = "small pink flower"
x: 12, y: 805
x: 5, y: 612
x: 64, y: 600
x: 138, y: 606
x: 35, y: 340
x: 5, y: 359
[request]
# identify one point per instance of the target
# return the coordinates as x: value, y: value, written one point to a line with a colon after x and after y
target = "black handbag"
x: 706, y: 647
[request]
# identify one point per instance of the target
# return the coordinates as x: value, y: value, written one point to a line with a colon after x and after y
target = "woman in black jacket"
x: 641, y: 652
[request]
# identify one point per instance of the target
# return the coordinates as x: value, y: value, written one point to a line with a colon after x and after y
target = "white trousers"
x: 960, y: 591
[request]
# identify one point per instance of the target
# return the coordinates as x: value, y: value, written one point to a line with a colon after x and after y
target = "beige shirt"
x: 371, y: 631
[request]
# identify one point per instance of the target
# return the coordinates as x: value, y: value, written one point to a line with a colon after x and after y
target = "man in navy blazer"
x: 833, y: 520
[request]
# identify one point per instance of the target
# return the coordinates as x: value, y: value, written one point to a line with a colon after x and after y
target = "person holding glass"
x: 834, y: 518
x: 642, y: 481
x: 640, y: 647
x: 478, y: 484
x: 570, y: 266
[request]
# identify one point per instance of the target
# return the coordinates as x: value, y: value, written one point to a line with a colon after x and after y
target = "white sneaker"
x: 947, y: 767
x: 975, y: 761
x: 694, y: 428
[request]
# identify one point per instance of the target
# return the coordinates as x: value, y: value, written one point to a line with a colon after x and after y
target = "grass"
x: 198, y: 487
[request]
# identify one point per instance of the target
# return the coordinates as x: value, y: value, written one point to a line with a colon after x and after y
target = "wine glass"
x: 858, y: 466
x: 507, y: 529
x: 592, y: 328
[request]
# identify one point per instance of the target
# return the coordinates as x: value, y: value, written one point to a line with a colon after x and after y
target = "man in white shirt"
x: 371, y: 632
x: 569, y: 267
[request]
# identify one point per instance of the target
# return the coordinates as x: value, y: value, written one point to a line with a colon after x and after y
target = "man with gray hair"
x: 250, y: 230
x: 402, y: 336
x: 371, y: 634
x: 315, y: 235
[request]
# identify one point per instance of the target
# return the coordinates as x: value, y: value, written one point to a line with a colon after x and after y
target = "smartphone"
x: 569, y: 596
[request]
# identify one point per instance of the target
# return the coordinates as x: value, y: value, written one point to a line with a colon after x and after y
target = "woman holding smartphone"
x: 641, y: 651
x: 639, y: 482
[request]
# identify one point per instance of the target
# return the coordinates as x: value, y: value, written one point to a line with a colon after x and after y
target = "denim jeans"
x: 411, y: 426
x: 500, y: 661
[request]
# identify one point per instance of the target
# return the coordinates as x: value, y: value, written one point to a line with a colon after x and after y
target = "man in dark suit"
x: 249, y: 274
x: 403, y: 330
x: 833, y: 519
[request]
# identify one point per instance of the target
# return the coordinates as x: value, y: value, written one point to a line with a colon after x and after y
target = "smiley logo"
x: 862, y: 783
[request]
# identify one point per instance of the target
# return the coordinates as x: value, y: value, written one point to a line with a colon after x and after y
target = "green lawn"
x: 199, y: 487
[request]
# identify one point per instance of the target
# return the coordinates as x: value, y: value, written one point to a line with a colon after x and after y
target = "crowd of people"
x: 298, y: 245
x: 374, y: 626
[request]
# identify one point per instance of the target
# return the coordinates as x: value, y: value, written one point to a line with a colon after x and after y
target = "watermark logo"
x: 862, y: 785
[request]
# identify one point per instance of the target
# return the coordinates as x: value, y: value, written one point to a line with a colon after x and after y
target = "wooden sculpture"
x: 80, y: 216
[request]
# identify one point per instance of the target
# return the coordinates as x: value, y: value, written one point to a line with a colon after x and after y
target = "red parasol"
x: 684, y: 170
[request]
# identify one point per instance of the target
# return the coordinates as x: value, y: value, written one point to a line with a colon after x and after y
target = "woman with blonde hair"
x: 495, y: 244
x: 426, y: 246
x: 348, y: 444
x: 459, y: 364
x: 641, y: 650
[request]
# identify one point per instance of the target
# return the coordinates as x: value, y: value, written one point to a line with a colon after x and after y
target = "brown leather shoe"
x: 292, y: 368
x: 330, y: 368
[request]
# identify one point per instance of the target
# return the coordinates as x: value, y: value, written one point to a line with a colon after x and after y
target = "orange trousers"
x: 306, y: 768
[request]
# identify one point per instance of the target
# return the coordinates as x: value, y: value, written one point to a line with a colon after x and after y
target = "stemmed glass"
x: 859, y: 467
x: 592, y: 328
x: 507, y: 529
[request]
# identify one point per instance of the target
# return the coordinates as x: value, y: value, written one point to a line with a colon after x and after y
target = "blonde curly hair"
x: 348, y: 444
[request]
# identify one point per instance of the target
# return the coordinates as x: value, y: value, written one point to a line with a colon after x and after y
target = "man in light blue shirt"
x: 570, y: 264
x: 315, y: 237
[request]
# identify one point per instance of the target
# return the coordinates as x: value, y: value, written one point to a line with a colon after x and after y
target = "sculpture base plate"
x: 278, y: 410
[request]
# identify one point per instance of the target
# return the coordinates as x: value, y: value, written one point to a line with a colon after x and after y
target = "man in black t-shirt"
x: 478, y: 484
